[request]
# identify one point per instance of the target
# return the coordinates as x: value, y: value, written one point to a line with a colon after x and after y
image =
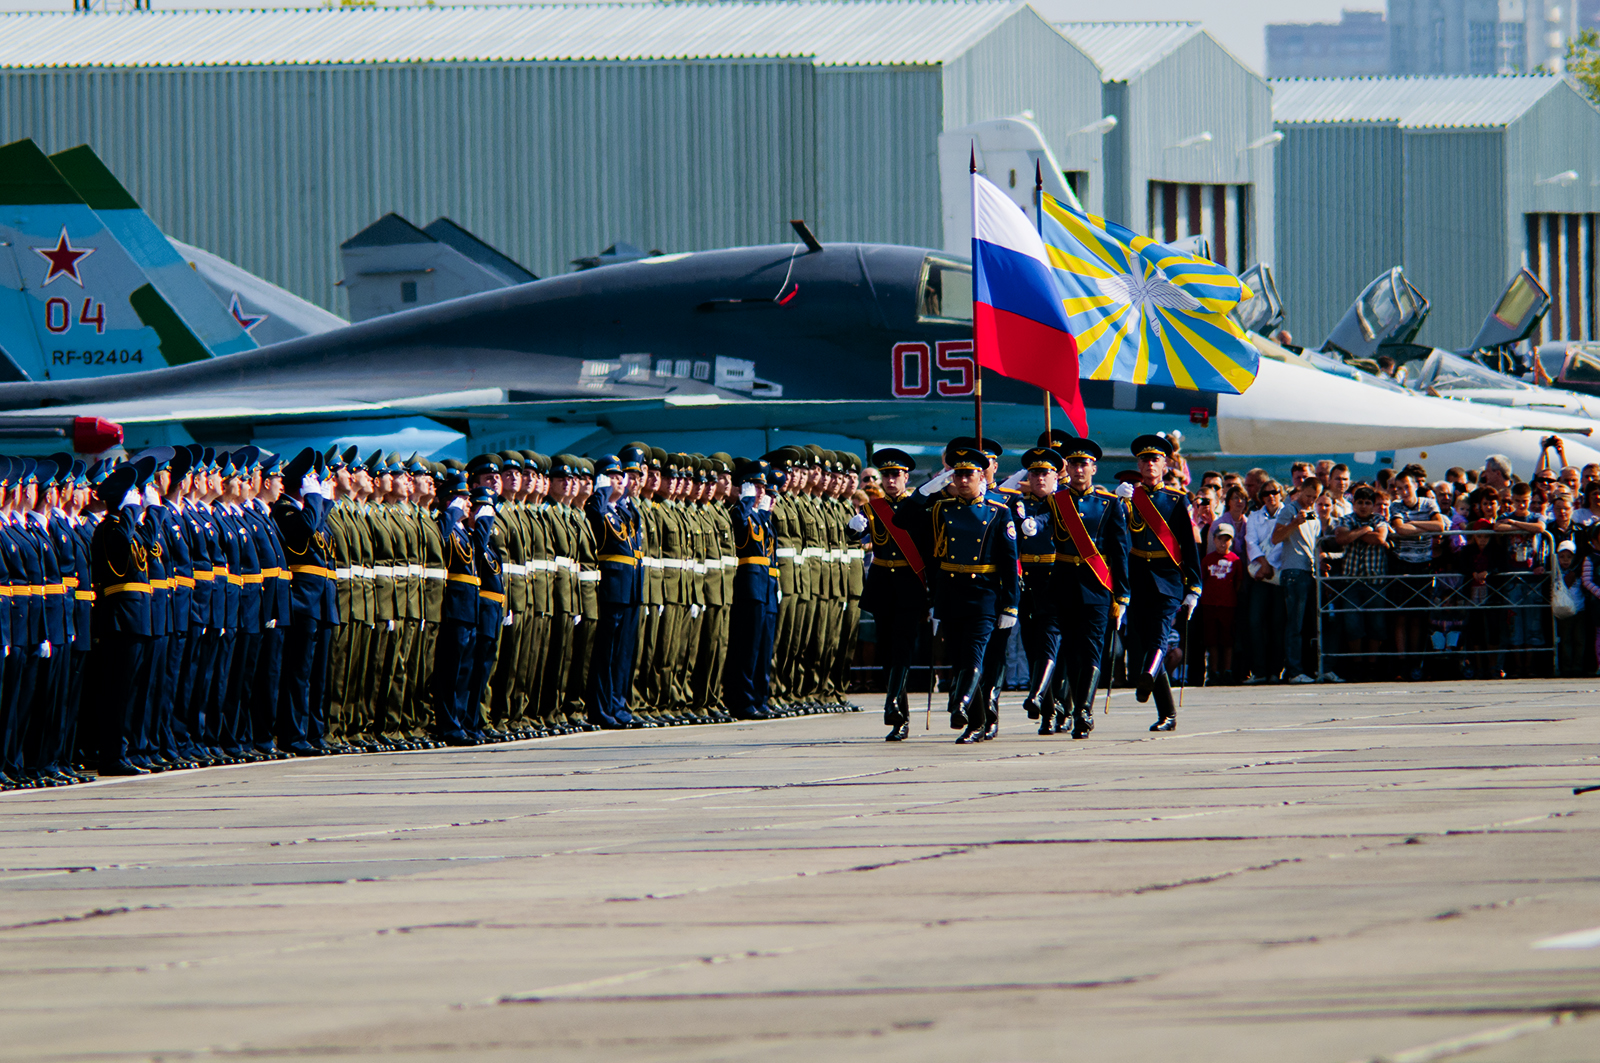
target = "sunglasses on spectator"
x: 1272, y: 492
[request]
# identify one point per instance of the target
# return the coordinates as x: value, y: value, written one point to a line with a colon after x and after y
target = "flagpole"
x: 1038, y: 223
x: 977, y: 366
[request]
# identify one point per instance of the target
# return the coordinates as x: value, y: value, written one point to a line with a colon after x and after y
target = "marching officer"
x: 975, y: 588
x: 1164, y: 573
x: 1089, y: 581
x: 753, y: 622
x: 1041, y: 628
x: 897, y: 592
x: 619, y: 547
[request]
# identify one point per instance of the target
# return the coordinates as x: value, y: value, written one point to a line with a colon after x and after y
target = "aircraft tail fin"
x: 73, y: 302
x: 491, y: 258
x: 205, y: 315
x: 392, y: 265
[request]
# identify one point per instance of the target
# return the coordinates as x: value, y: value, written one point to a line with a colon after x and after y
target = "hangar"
x: 271, y: 136
x: 1461, y: 180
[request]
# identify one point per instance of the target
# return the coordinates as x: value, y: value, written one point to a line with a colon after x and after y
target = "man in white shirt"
x: 1262, y: 558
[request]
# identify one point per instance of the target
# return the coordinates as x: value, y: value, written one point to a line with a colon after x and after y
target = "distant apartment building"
x: 1484, y: 36
x: 1355, y: 46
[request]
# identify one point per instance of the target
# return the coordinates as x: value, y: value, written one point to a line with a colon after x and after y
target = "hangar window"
x: 945, y: 293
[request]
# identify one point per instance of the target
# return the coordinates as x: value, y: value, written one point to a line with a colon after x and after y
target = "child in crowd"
x: 1224, y: 572
x: 1573, y: 632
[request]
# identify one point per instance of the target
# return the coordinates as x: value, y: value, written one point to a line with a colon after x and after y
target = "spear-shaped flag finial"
x: 972, y: 164
x: 1038, y: 176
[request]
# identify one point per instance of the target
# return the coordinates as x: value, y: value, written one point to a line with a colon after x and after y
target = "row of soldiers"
x: 1071, y: 561
x: 298, y: 607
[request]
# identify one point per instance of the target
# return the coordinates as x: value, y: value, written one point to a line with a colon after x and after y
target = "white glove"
x: 780, y: 597
x: 390, y: 624
x: 483, y: 511
x: 458, y: 503
x: 1124, y: 490
x: 271, y: 624
x: 1015, y: 478
x: 510, y: 616
x: 152, y: 497
x: 601, y: 481
x: 935, y: 485
x: 577, y: 619
x: 934, y: 622
x: 1030, y: 527
x: 327, y: 488
x: 1006, y: 622
x: 857, y: 523
x: 7, y: 653
x: 44, y: 649
x: 765, y: 505
x: 661, y: 609
x: 1189, y: 602
x: 747, y: 490
x: 310, y: 485
x: 694, y: 611
x: 132, y: 498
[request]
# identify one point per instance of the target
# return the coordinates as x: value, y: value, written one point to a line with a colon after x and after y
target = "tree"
x: 1583, y: 63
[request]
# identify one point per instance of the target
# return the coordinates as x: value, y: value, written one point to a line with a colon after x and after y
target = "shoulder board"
x: 1175, y: 491
x: 1101, y: 492
x: 997, y: 504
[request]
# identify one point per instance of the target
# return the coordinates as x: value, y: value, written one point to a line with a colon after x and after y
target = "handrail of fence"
x: 1449, y: 598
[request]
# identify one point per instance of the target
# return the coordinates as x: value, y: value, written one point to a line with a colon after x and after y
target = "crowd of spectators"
x: 1422, y: 579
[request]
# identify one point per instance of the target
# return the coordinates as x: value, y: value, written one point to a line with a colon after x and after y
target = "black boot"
x: 1166, y: 711
x: 899, y: 732
x: 1147, y: 679
x: 893, y: 711
x: 1083, y: 706
x: 1038, y: 700
x: 963, y: 686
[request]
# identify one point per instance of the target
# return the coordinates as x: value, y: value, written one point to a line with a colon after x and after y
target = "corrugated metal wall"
x: 273, y: 168
x: 1199, y: 88
x: 1456, y: 249
x: 1026, y: 65
x: 878, y: 168
x: 1339, y: 225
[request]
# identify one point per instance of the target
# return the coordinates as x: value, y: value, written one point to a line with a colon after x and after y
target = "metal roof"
x: 1412, y: 102
x: 1124, y: 50
x: 886, y: 32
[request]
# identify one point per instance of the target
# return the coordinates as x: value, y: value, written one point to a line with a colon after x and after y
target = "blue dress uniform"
x: 1041, y: 627
x: 26, y: 615
x: 896, y: 593
x: 314, y: 612
x: 120, y: 559
x: 753, y: 621
x: 491, y: 602
x: 1159, y: 584
x: 164, y: 523
x: 975, y: 585
x: 619, y: 546
x: 458, y: 630
x: 1084, y: 589
x: 276, y: 581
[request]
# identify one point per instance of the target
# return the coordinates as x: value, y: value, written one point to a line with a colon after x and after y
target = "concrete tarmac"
x: 1322, y: 874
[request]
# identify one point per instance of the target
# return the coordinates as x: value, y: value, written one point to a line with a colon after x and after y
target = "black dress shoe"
x: 1061, y: 720
x: 302, y: 749
x: 901, y: 732
x: 1047, y: 726
x: 1169, y: 723
x: 121, y: 767
x: 971, y: 736
x: 1082, y: 724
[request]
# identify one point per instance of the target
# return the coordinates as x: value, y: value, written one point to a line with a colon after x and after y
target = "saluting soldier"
x: 1090, y: 580
x: 754, y: 615
x: 277, y: 606
x: 614, y: 523
x: 120, y: 559
x: 1164, y: 573
x: 975, y: 589
x: 896, y: 593
x: 458, y: 631
x: 302, y: 519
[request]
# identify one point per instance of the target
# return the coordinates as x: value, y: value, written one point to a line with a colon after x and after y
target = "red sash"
x: 908, y: 549
x: 1158, y: 524
x: 1067, y: 507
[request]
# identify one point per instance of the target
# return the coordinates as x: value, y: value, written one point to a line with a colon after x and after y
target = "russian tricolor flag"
x: 1018, y: 322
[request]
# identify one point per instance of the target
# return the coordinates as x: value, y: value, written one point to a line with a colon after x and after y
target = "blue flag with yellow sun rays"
x: 1142, y: 312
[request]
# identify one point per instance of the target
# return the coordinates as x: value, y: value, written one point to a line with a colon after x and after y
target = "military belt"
x: 83, y: 596
x: 128, y: 588
x: 589, y: 576
x: 311, y: 570
x: 465, y: 577
x: 785, y: 551
x: 621, y: 559
x: 434, y: 573
x: 1071, y: 559
x: 253, y: 577
x: 1151, y: 555
x: 55, y: 588
x: 1041, y: 559
x: 976, y: 570
x: 155, y: 585
x: 884, y: 562
x: 493, y: 596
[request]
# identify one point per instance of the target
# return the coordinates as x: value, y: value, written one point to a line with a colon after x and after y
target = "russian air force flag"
x: 1019, y: 325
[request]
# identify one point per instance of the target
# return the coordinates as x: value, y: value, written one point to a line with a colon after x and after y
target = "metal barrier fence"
x: 1462, y: 617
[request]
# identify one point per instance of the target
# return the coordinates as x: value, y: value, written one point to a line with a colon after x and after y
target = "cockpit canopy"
x: 1388, y: 312
x: 944, y: 293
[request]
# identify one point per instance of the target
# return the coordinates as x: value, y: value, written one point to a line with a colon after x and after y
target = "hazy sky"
x: 1238, y: 24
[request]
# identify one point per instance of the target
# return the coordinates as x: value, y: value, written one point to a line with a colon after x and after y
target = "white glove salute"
x: 310, y: 485
x: 152, y: 497
x: 458, y: 503
x: 485, y: 510
x: 1015, y: 478
x: 132, y: 498
x: 327, y: 488
x: 1006, y: 621
x: 1124, y: 490
x: 857, y: 523
x: 935, y: 485
x: 765, y: 505
x: 601, y: 481
x: 1030, y: 527
x: 747, y: 490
